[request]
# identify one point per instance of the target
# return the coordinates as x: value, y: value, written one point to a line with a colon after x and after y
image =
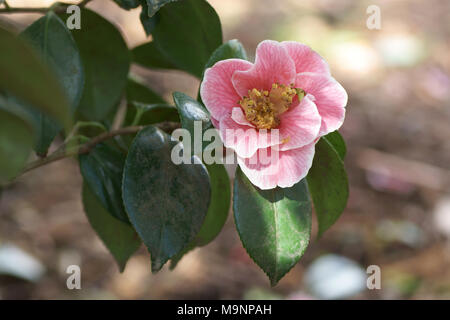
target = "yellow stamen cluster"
x: 263, y: 107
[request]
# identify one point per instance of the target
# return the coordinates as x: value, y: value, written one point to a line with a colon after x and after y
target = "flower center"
x: 263, y: 107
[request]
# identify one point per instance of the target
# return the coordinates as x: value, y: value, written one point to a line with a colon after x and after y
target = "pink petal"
x: 215, y: 122
x: 272, y: 65
x: 299, y: 126
x: 245, y: 140
x: 286, y: 169
x: 306, y: 59
x: 237, y: 114
x: 217, y: 91
x: 242, y: 139
x: 295, y: 164
x: 260, y: 169
x: 329, y: 96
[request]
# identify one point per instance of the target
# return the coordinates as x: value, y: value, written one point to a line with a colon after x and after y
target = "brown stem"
x: 83, y: 149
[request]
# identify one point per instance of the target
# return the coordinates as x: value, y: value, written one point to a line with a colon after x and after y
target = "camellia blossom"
x: 288, y: 91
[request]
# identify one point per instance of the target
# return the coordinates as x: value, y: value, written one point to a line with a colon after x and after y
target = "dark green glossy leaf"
x: 102, y: 170
x: 138, y: 92
x: 128, y: 4
x: 149, y: 56
x: 27, y: 78
x: 152, y: 107
x: 166, y: 203
x: 54, y: 43
x: 148, y: 22
x: 16, y: 141
x: 328, y: 184
x: 51, y: 38
x: 218, y: 207
x: 46, y: 130
x: 106, y: 61
x: 338, y: 143
x: 274, y: 225
x: 155, y: 5
x: 120, y: 238
x: 231, y: 49
x: 191, y: 110
x: 44, y: 127
x: 152, y: 113
x: 217, y: 211
x: 187, y: 33
x: 177, y: 258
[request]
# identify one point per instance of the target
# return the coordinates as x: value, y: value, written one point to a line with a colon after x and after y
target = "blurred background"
x: 397, y: 130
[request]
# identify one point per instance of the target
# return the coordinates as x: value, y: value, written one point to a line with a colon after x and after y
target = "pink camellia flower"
x: 288, y: 91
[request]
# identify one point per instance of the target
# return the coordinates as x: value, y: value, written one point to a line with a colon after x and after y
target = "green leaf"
x: 218, y: 207
x: 149, y: 56
x: 155, y: 5
x: 138, y: 92
x: 191, y: 110
x: 152, y: 107
x: 217, y: 211
x: 338, y: 143
x: 151, y: 113
x: 51, y: 38
x: 27, y: 78
x: 231, y: 49
x: 148, y: 22
x: 328, y: 184
x: 128, y: 4
x: 274, y: 225
x: 120, y: 238
x: 44, y: 127
x: 46, y: 130
x: 106, y: 61
x: 187, y: 33
x: 177, y: 258
x: 54, y: 43
x: 102, y: 170
x: 166, y: 203
x: 16, y: 141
